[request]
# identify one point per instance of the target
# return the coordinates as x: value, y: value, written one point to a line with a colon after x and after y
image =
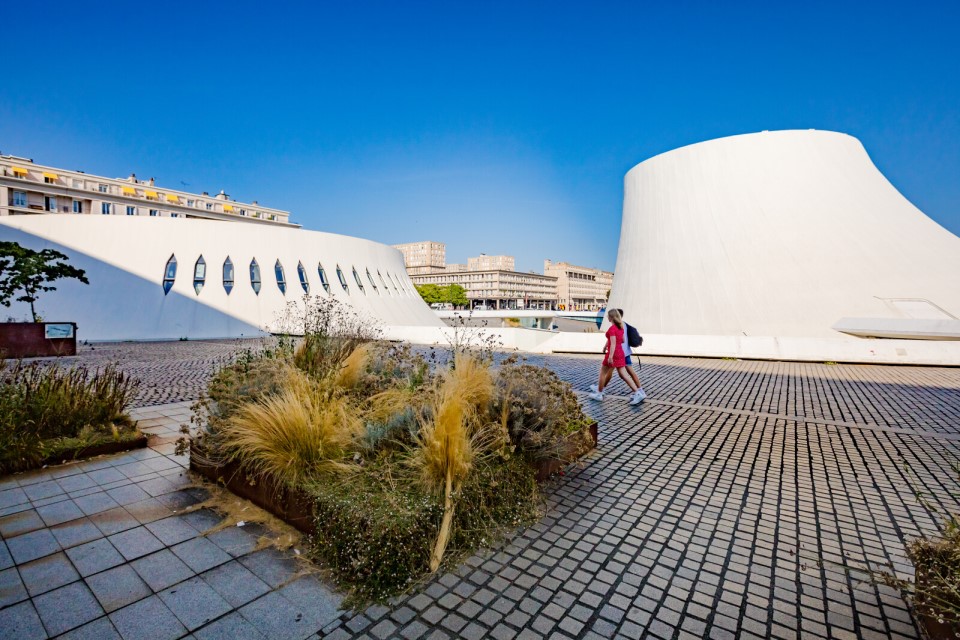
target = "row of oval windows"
x: 200, y: 277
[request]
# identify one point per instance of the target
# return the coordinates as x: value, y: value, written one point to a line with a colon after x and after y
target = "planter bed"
x: 82, y: 452
x: 546, y: 469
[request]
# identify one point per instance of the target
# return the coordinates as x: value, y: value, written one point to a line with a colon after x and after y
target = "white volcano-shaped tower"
x: 783, y: 234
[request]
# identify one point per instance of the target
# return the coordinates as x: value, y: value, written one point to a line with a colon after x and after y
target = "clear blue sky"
x: 495, y: 127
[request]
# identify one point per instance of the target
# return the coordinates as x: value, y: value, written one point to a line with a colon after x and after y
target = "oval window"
x: 199, y: 274
x: 169, y: 274
x: 372, y: 282
x: 302, y: 274
x: 386, y: 287
x: 343, y: 279
x: 281, y: 277
x: 228, y: 275
x: 255, y: 276
x: 323, y: 277
x: 356, y: 276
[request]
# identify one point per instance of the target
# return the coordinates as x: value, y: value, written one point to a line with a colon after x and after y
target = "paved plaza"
x: 740, y: 500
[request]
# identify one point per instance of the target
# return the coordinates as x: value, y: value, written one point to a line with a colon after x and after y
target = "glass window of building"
x: 209, y: 206
x: 50, y: 203
x: 386, y: 288
x: 228, y: 275
x: 255, y: 276
x: 190, y: 203
x: 302, y: 274
x: 199, y: 274
x: 169, y: 274
x: 323, y: 278
x: 103, y: 188
x: 356, y: 276
x: 131, y: 211
x: 343, y: 279
x: 372, y: 282
x: 77, y: 184
x: 77, y: 206
x: 154, y: 212
x: 19, y: 198
x: 105, y: 208
x: 281, y: 277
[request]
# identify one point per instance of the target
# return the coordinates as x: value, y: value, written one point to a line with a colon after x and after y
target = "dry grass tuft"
x: 354, y: 366
x: 298, y: 433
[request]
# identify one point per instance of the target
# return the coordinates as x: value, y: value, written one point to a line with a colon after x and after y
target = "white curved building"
x: 785, y: 234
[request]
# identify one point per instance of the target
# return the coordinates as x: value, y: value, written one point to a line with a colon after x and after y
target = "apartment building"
x: 423, y: 257
x: 30, y: 188
x: 483, y: 262
x: 497, y: 289
x: 579, y: 288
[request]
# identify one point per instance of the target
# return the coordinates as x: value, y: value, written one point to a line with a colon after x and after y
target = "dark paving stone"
x: 59, y: 512
x: 67, y: 607
x: 6, y: 560
x: 45, y: 574
x: 135, y: 543
x: 20, y: 523
x: 178, y: 500
x: 148, y: 619
x: 70, y: 534
x: 271, y: 566
x: 114, y: 521
x: 148, y: 510
x: 33, y: 545
x: 117, y: 587
x: 276, y: 618
x: 318, y: 603
x: 171, y: 531
x: 128, y: 494
x: 235, y: 583
x: 95, y: 503
x: 99, y: 629
x: 11, y: 587
x: 236, y: 541
x: 106, y: 476
x: 230, y: 627
x: 194, y: 603
x: 13, y: 496
x: 94, y: 557
x: 161, y: 570
x: 21, y: 622
x: 76, y: 482
x: 47, y: 489
x: 200, y: 554
x: 202, y: 519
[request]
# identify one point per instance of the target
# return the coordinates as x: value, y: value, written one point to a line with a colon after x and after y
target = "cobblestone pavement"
x: 726, y: 506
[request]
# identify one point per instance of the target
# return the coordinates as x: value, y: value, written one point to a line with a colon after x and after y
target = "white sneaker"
x: 637, y: 397
x: 596, y: 395
x: 642, y: 394
x: 595, y: 388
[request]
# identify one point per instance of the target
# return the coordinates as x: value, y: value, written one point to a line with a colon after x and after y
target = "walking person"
x: 614, y: 359
x: 631, y: 338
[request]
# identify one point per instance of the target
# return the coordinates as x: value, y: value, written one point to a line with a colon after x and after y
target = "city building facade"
x: 483, y: 262
x: 30, y: 188
x: 579, y: 288
x: 423, y: 257
x: 499, y: 289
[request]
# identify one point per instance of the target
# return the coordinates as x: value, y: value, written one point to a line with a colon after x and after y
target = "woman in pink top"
x: 614, y: 358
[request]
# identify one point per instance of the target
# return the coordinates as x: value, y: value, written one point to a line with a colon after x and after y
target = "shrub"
x: 42, y: 405
x: 937, y: 564
x: 541, y: 413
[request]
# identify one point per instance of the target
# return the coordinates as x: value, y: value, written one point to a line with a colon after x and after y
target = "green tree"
x: 430, y: 293
x: 31, y: 272
x: 456, y: 295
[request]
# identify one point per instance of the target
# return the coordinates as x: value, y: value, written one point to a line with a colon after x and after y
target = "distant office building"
x: 497, y: 289
x: 483, y: 262
x: 423, y: 257
x: 30, y: 188
x: 579, y: 288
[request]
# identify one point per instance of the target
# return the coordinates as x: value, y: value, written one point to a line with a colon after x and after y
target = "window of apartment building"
x: 356, y: 276
x: 243, y: 212
x: 191, y: 203
x: 228, y: 275
x: 199, y: 274
x: 102, y: 188
x: 50, y: 178
x: 281, y: 277
x: 19, y: 198
x: 302, y: 274
x: 131, y: 211
x: 169, y: 274
x: 50, y: 203
x: 105, y: 208
x: 255, y: 276
x: 209, y: 206
x: 343, y: 279
x: 174, y: 215
x: 154, y: 212
x: 77, y: 206
x: 77, y: 184
x: 323, y: 278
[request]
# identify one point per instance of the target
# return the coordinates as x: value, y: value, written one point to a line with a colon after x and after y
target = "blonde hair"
x: 614, y: 316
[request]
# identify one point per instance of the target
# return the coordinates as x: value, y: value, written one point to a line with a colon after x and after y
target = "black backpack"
x: 634, y: 339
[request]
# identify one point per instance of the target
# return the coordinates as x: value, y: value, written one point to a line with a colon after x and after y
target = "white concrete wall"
x: 125, y: 257
x: 775, y: 234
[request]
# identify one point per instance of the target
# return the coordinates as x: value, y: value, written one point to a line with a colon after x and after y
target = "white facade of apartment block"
x: 483, y: 262
x: 499, y: 289
x: 579, y: 288
x: 423, y: 257
x: 30, y: 188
